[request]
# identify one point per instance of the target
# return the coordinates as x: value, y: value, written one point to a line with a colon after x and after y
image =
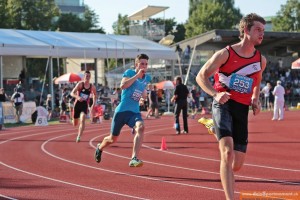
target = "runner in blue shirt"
x: 133, y: 87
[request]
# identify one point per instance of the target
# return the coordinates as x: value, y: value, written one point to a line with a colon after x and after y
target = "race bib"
x: 240, y: 83
x: 136, y: 95
x: 84, y: 96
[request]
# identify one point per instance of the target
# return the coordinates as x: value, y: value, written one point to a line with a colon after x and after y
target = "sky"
x: 108, y: 10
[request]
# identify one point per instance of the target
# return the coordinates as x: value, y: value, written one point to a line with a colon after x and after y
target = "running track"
x: 46, y: 163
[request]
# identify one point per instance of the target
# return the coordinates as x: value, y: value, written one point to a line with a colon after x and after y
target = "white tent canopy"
x: 78, y: 45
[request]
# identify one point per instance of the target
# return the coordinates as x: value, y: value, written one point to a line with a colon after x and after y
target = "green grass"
x: 11, y: 125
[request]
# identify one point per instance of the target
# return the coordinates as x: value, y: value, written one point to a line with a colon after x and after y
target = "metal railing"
x: 149, y: 31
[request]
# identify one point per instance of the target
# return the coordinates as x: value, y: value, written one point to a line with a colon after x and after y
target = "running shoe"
x: 208, y: 123
x: 184, y: 132
x: 98, y: 154
x: 78, y: 139
x: 135, y: 162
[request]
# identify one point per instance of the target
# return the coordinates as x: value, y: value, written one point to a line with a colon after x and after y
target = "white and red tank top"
x: 238, y: 76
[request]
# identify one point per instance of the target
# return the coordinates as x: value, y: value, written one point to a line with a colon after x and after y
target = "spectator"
x: 179, y: 51
x: 153, y: 101
x: 271, y: 99
x: 195, y: 101
x: 63, y: 102
x: 278, y: 93
x: 3, y: 96
x: 18, y: 98
x: 22, y: 76
x: 49, y: 106
x: 160, y: 93
x: 180, y: 98
x: 266, y: 92
x: 187, y: 52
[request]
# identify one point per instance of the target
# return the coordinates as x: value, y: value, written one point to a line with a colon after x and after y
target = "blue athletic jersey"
x: 130, y: 96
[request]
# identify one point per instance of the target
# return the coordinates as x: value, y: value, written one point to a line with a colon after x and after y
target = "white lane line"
x: 198, y: 170
x: 6, y: 197
x: 69, y: 183
x: 118, y: 172
x: 169, y: 152
x: 149, y: 162
x: 217, y: 160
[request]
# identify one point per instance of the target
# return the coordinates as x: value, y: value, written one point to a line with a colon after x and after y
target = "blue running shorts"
x: 121, y: 118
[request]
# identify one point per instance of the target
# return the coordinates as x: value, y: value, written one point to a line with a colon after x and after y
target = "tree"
x: 31, y: 14
x: 193, y: 6
x: 121, y: 26
x: 179, y: 33
x: 72, y: 23
x: 91, y: 20
x: 4, y: 15
x: 209, y: 15
x: 288, y: 18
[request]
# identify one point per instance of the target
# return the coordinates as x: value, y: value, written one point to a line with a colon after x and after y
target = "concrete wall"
x: 74, y: 65
x: 12, y: 66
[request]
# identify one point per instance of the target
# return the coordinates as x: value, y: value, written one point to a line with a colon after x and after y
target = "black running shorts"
x: 231, y: 119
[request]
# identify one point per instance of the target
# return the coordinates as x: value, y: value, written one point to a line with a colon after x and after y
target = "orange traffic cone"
x: 163, y: 146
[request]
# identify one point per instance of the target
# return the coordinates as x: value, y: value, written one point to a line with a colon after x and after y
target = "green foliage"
x: 90, y: 18
x: 288, y: 18
x: 179, y: 33
x: 121, y: 26
x: 72, y: 23
x: 31, y: 14
x: 45, y: 15
x: 90, y: 21
x: 4, y: 14
x: 207, y: 15
x: 193, y: 6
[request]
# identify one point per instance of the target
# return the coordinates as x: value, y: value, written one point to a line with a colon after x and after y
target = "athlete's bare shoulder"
x: 221, y: 56
x: 263, y: 62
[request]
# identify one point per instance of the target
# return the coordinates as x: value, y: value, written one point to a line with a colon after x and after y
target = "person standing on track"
x: 133, y: 85
x: 278, y: 93
x: 179, y: 98
x: 238, y: 72
x: 195, y: 101
x: 81, y: 93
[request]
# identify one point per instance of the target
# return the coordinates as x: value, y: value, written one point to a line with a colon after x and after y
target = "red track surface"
x: 46, y: 163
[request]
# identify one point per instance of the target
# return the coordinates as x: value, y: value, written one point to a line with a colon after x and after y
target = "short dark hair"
x: 248, y: 22
x: 178, y: 80
x: 141, y: 56
x: 87, y: 72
